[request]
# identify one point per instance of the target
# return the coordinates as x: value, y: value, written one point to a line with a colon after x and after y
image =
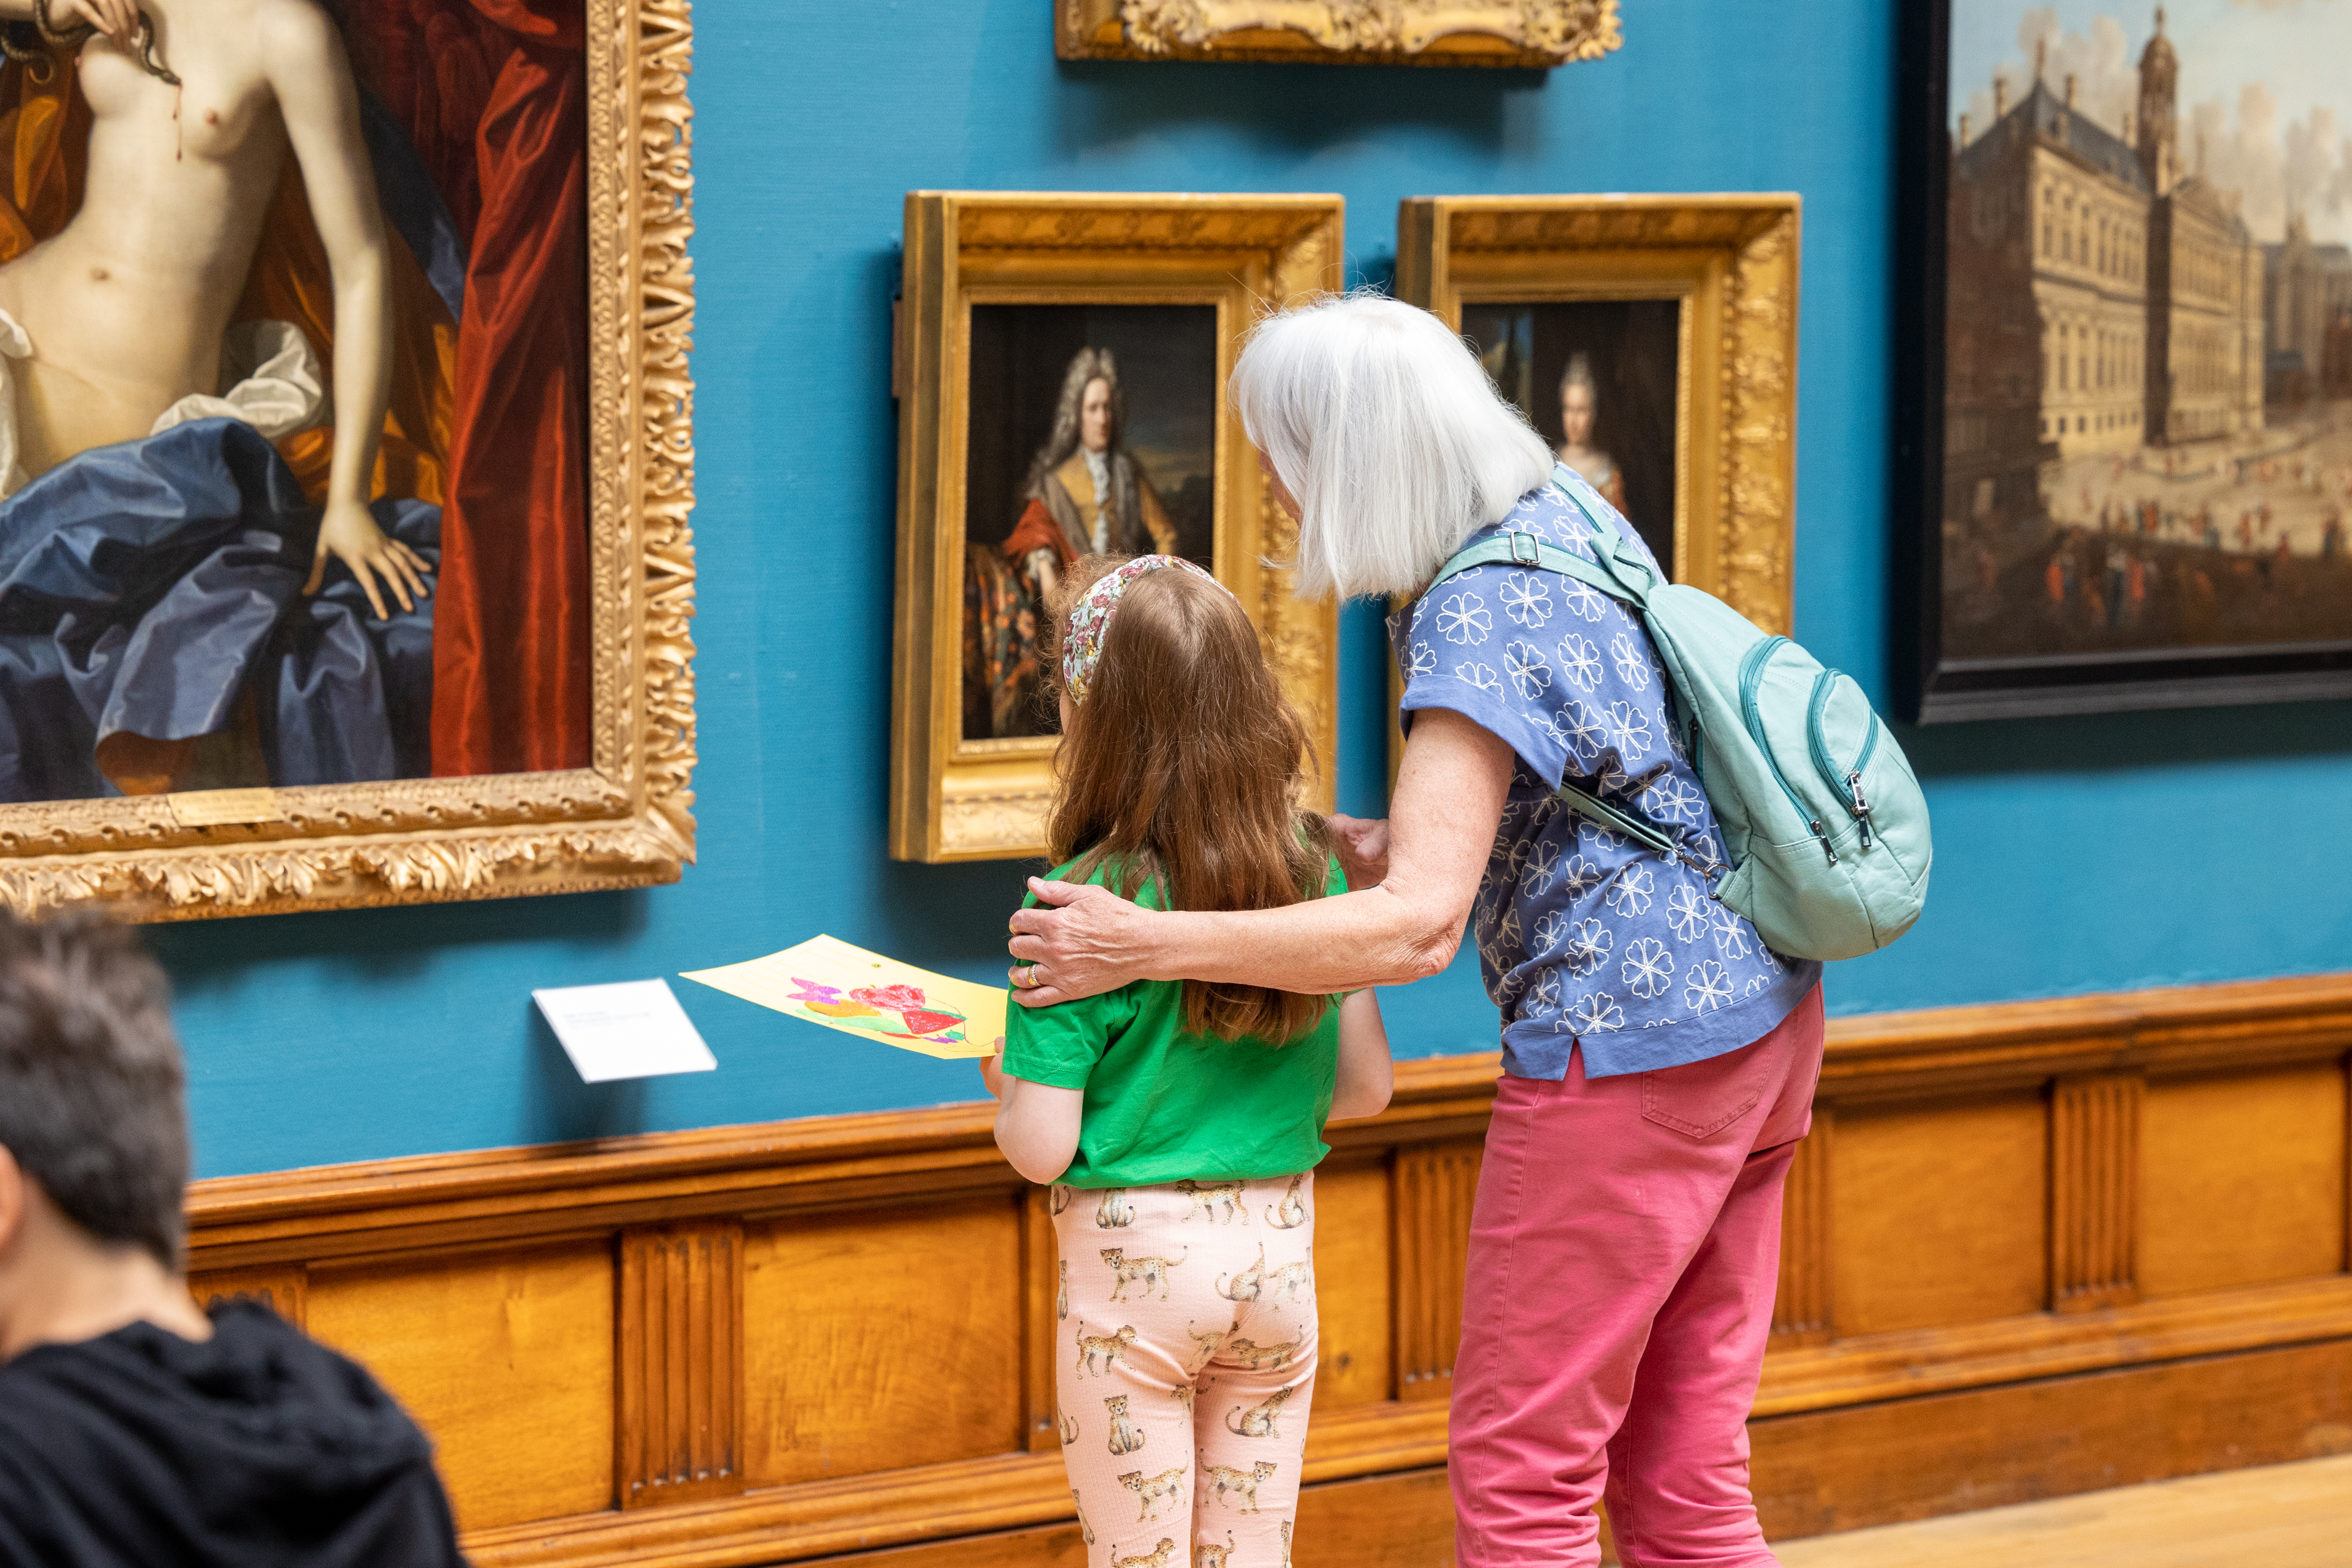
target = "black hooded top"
x: 258, y: 1448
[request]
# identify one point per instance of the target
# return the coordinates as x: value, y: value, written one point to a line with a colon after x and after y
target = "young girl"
x: 1182, y: 1121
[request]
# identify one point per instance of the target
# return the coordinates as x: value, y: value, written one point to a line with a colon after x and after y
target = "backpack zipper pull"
x: 1861, y: 807
x: 1826, y: 848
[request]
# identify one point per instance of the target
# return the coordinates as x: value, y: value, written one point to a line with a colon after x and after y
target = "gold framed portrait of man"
x: 1061, y: 364
x: 1651, y: 340
x: 1524, y: 34
x: 345, y: 453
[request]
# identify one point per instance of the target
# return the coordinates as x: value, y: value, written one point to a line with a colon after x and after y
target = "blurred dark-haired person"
x: 135, y: 1428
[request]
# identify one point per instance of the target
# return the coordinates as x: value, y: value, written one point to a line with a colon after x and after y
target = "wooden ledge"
x: 549, y: 1189
x: 2183, y: 1028
x: 1871, y: 1367
x: 1002, y: 1492
x: 489, y: 1194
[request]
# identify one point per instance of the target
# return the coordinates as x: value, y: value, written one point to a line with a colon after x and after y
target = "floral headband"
x: 1090, y: 621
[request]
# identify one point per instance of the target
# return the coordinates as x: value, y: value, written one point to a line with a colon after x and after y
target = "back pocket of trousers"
x: 1700, y: 1100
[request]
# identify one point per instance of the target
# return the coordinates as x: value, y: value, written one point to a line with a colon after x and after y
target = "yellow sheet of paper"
x: 911, y: 1008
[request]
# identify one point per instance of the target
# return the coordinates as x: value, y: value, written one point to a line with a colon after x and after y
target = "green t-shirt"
x: 1163, y: 1104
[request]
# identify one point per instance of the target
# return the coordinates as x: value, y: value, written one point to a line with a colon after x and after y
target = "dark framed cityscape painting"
x: 2125, y: 371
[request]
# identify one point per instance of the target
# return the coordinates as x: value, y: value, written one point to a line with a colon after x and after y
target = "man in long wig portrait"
x: 1086, y: 495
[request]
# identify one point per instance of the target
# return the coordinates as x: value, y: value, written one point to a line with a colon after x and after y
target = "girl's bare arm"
x: 1367, y: 1076
x: 1036, y: 1123
x: 1448, y: 804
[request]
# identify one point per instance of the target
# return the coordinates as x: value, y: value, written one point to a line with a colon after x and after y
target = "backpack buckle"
x: 1526, y: 550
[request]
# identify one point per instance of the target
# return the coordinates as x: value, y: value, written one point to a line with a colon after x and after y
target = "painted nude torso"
x: 127, y: 306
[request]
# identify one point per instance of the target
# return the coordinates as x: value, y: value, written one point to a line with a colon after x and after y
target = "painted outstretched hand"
x: 348, y: 532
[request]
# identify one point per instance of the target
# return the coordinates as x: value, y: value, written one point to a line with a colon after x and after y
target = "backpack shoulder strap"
x: 1619, y: 573
x: 1624, y: 560
x: 1527, y: 551
x: 1623, y: 574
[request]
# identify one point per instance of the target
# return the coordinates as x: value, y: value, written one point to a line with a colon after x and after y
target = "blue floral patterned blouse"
x: 1582, y: 935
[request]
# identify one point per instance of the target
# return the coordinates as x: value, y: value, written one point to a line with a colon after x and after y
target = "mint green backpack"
x: 1822, y: 818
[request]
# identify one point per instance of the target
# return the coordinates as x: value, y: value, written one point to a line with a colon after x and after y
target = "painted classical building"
x: 2307, y: 317
x: 2204, y: 280
x: 2099, y: 298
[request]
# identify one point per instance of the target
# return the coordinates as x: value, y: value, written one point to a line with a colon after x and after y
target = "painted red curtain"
x: 493, y: 95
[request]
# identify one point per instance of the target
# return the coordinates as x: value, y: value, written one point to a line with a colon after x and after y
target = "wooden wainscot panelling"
x: 1354, y: 1247
x: 1045, y: 1307
x: 1939, y: 1212
x: 2094, y: 1176
x: 2247, y: 1170
x: 886, y: 1339
x: 506, y: 1357
x: 284, y: 1289
x: 1884, y: 1463
x: 1387, y: 1521
x: 2029, y: 1249
x: 1435, y: 1183
x: 680, y: 1426
x: 1801, y: 1312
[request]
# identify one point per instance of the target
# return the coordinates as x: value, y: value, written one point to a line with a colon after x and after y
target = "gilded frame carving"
x: 958, y: 799
x: 1732, y: 262
x: 1521, y: 33
x: 621, y: 822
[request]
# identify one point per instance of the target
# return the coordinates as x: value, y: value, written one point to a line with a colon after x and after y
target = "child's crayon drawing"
x: 827, y: 982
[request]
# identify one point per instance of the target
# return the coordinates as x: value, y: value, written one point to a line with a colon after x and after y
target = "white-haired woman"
x: 1658, y: 1063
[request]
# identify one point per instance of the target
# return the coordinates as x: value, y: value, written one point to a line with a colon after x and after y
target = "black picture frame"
x: 1929, y: 686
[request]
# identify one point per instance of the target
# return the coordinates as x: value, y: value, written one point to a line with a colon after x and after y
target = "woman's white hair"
x: 1385, y: 427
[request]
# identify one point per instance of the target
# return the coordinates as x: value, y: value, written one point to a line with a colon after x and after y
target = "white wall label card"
x: 632, y: 1029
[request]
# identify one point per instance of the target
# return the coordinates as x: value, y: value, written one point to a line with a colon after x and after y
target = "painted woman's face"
x: 1093, y: 417
x: 1575, y: 414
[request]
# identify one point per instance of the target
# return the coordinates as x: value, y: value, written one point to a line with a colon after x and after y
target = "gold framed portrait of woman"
x: 345, y: 452
x: 1060, y: 365
x: 1651, y: 340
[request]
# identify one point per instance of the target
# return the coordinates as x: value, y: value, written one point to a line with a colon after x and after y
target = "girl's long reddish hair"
x: 1185, y: 763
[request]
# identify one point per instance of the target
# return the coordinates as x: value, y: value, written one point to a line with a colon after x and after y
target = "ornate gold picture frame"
x: 1060, y: 299
x: 1723, y: 269
x: 620, y: 820
x: 1523, y: 33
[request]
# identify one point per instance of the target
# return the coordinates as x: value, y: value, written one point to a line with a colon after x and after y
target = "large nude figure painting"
x: 292, y: 382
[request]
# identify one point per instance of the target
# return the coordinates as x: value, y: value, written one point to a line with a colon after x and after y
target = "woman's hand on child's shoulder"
x: 1363, y: 843
x: 1081, y: 940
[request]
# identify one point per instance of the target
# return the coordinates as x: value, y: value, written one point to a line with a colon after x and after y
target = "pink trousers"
x: 1625, y: 1250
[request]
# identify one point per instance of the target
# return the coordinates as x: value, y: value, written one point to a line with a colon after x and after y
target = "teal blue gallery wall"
x: 2073, y: 856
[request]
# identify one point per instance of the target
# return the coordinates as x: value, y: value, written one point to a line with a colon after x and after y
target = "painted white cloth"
x: 272, y: 378
x: 1098, y: 470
